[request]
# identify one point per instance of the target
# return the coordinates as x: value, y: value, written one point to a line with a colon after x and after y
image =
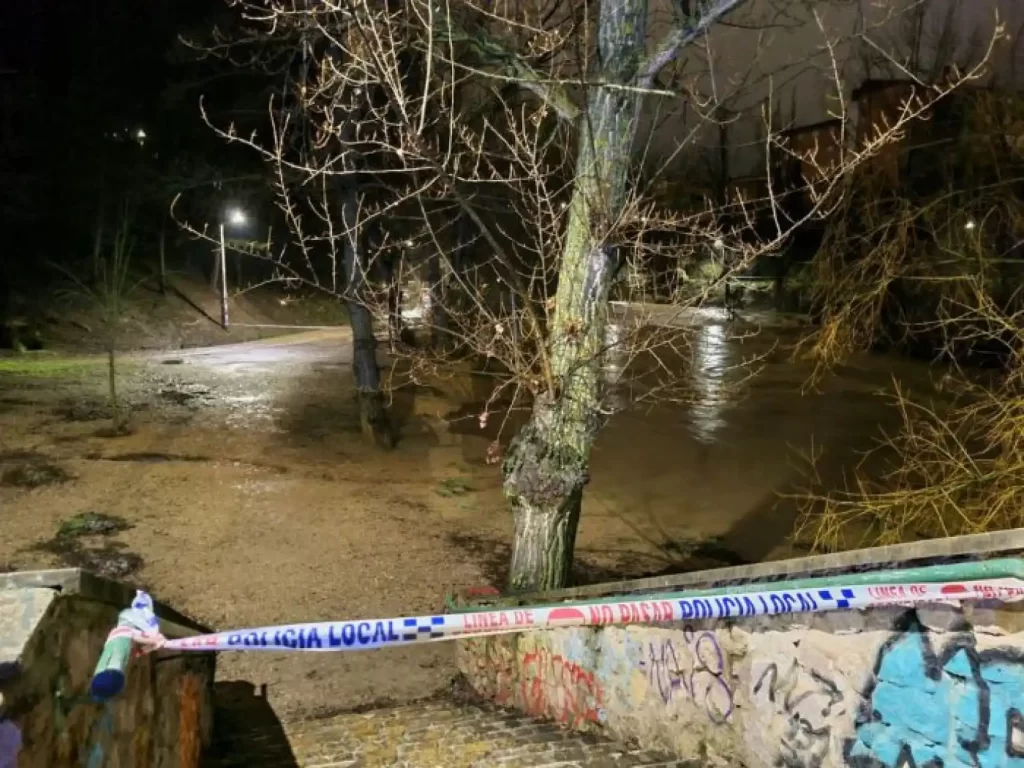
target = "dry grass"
x: 955, y: 472
x: 938, y: 271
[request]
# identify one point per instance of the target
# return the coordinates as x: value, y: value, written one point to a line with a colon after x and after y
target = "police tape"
x: 370, y: 634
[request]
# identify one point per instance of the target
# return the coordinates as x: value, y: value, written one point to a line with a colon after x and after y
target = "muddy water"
x: 718, y: 466
x: 670, y: 481
x: 707, y: 480
x: 251, y: 499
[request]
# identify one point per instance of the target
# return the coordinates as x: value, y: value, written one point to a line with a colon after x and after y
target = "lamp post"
x: 237, y: 218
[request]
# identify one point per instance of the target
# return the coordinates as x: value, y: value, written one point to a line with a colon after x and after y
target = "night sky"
x: 72, y: 76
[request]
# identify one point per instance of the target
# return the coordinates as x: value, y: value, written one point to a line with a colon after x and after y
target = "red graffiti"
x: 560, y: 689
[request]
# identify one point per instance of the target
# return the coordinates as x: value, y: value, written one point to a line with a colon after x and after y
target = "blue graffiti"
x: 958, y: 708
x: 102, y: 730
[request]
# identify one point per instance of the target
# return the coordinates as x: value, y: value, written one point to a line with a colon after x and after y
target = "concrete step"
x: 435, y: 734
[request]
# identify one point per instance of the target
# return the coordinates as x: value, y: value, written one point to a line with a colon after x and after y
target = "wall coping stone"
x: 982, y: 546
x: 81, y: 583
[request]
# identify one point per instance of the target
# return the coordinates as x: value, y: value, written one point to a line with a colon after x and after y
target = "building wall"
x: 799, y: 62
x: 882, y: 687
x: 49, y: 645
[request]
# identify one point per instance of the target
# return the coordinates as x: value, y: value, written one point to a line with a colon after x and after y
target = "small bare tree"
x: 105, y: 289
x: 495, y: 145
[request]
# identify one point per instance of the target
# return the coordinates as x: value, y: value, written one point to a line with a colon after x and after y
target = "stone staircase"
x: 441, y: 733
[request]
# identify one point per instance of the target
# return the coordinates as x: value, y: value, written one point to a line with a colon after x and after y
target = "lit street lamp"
x: 236, y: 217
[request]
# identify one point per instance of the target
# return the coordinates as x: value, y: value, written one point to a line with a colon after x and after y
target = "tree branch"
x: 712, y: 12
x: 512, y: 66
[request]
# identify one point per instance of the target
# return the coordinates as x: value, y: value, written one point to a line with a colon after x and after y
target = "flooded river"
x: 249, y: 497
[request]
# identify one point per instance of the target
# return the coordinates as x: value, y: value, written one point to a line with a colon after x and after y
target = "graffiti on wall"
x: 951, y: 707
x: 930, y: 700
x: 808, y: 702
x: 553, y: 686
x: 693, y: 667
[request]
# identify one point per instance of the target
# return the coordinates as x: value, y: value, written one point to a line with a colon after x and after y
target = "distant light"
x: 140, y: 135
x: 970, y: 225
x: 237, y: 217
x: 719, y: 243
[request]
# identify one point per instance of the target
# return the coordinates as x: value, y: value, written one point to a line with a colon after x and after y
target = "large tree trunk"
x: 373, y: 416
x: 548, y: 462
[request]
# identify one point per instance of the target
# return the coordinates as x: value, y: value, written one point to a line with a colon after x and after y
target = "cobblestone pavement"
x: 442, y: 734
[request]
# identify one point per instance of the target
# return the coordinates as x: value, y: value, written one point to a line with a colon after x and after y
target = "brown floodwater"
x: 249, y: 498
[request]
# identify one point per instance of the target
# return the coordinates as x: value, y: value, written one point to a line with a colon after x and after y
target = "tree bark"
x: 548, y: 462
x: 373, y: 416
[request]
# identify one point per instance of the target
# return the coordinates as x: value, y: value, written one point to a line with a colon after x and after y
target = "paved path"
x: 289, y: 350
x: 436, y: 734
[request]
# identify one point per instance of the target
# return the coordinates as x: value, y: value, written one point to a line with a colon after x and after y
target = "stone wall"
x: 932, y: 686
x: 50, y: 641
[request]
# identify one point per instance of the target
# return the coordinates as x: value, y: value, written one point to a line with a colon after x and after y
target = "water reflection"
x: 612, y: 364
x: 711, y: 360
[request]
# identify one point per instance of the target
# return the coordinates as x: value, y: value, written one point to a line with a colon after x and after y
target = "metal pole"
x: 223, y: 280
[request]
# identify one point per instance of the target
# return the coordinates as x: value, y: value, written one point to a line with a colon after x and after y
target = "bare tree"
x: 495, y: 144
x: 106, y: 288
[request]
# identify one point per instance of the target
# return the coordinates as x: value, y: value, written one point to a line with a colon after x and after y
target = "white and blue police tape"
x: 380, y: 633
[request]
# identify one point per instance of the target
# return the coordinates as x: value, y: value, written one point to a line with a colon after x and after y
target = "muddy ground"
x: 246, y: 496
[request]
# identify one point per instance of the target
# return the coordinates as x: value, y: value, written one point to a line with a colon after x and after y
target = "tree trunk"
x: 118, y: 421
x: 545, y: 539
x: 548, y: 462
x: 373, y: 416
x: 394, y: 283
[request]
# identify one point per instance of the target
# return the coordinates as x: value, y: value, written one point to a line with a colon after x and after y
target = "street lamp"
x: 235, y: 217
